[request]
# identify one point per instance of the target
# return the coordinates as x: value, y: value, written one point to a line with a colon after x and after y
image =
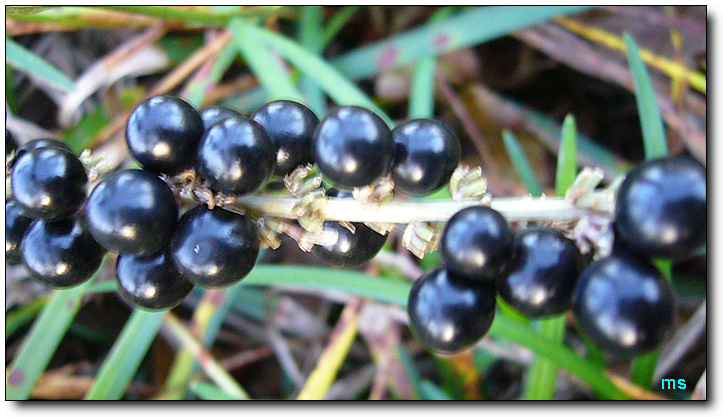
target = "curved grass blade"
x: 42, y: 341
x: 521, y: 164
x: 26, y: 61
x: 651, y: 122
x: 336, y: 23
x: 129, y: 349
x: 310, y: 28
x: 272, y: 76
x: 472, y: 27
x: 542, y: 374
x: 567, y: 156
x: 210, y: 392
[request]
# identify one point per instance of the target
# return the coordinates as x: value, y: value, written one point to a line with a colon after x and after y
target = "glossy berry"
x: 60, y: 253
x: 37, y: 144
x: 214, y: 247
x: 661, y: 208
x: 624, y: 305
x: 290, y: 126
x: 151, y: 282
x: 426, y: 152
x: 163, y: 133
x: 236, y: 156
x: 49, y: 182
x: 448, y: 313
x: 16, y: 223
x: 476, y: 243
x: 212, y: 115
x: 350, y: 249
x: 541, y: 274
x: 132, y: 211
x: 352, y: 147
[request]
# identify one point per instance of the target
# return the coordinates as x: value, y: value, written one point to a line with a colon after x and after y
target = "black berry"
x: 212, y: 115
x: 290, y: 126
x: 541, y: 274
x: 214, y: 247
x: 476, y: 243
x: 236, y: 156
x: 132, y: 211
x: 163, y: 133
x: 661, y: 208
x: 624, y: 305
x: 352, y: 147
x: 351, y: 248
x: 449, y: 313
x: 60, y: 253
x: 16, y: 223
x: 426, y: 152
x: 151, y: 282
x: 37, y: 144
x: 49, y: 182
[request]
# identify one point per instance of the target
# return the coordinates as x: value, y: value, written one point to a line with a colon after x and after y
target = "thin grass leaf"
x: 336, y: 85
x: 16, y: 319
x: 471, y: 27
x: 81, y: 135
x: 567, y: 156
x: 651, y: 122
x: 429, y: 391
x: 310, y: 27
x: 336, y: 23
x: 521, y: 164
x: 331, y: 359
x: 410, y: 368
x: 421, y: 94
x: 122, y: 362
x: 270, y: 73
x: 210, y: 392
x: 25, y: 61
x: 197, y: 90
x: 542, y: 374
x: 42, y: 341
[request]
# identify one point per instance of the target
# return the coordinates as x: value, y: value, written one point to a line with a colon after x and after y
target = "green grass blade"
x: 336, y: 23
x: 270, y: 73
x: 521, y: 164
x: 429, y: 391
x: 42, y: 341
x: 16, y: 319
x: 122, y: 362
x: 336, y: 85
x: 542, y: 375
x: 421, y: 94
x: 310, y: 27
x: 469, y: 28
x: 197, y: 89
x: 210, y: 392
x: 651, y: 122
x: 26, y: 61
x: 567, y: 156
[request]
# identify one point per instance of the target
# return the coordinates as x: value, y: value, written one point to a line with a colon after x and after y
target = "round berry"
x: 60, y: 253
x: 541, y: 274
x: 476, y: 243
x: 16, y: 223
x: 448, y: 313
x: 352, y: 147
x: 351, y: 248
x: 426, y: 152
x: 151, y: 282
x: 236, y: 156
x: 661, y: 208
x: 49, y: 182
x: 212, y: 115
x: 163, y: 133
x: 37, y: 144
x: 214, y: 247
x: 291, y: 126
x: 132, y: 211
x: 624, y: 305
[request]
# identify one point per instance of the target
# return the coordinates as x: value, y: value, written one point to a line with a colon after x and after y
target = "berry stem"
x: 340, y: 209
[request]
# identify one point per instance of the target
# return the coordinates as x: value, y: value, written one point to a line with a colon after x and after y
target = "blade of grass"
x: 210, y: 392
x: 542, y: 374
x: 336, y: 85
x: 336, y: 23
x: 195, y: 16
x: 567, y: 156
x: 651, y: 122
x: 471, y: 27
x: 25, y: 61
x: 42, y: 341
x: 343, y: 335
x: 16, y: 319
x: 431, y: 392
x: 521, y: 164
x: 121, y: 364
x: 196, y: 89
x: 310, y: 28
x: 270, y: 73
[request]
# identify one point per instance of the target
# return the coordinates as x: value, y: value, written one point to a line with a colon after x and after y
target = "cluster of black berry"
x: 621, y: 302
